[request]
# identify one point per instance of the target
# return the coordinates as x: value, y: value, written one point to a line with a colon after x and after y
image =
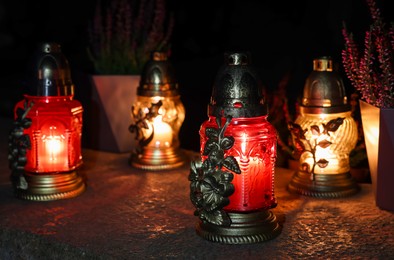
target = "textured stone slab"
x: 132, y: 214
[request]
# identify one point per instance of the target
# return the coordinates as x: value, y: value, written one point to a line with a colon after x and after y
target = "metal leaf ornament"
x: 298, y: 134
x: 300, y: 140
x: 142, y: 121
x: 18, y: 143
x: 210, y: 180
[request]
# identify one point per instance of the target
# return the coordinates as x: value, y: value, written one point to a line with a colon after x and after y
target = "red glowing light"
x: 255, y: 151
x: 55, y: 133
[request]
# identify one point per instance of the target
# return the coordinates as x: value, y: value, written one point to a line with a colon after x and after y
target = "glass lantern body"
x: 255, y: 151
x: 55, y: 133
x: 162, y: 130
x: 341, y: 142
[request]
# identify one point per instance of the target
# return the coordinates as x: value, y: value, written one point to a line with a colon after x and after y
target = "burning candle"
x: 45, y: 145
x: 162, y: 133
x: 157, y: 117
x: 324, y: 133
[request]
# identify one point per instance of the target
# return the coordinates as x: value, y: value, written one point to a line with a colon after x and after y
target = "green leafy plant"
x: 123, y: 34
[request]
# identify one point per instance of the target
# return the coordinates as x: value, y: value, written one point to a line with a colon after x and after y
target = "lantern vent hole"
x: 238, y: 105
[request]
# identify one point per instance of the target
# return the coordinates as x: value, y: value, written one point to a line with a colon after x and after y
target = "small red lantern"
x: 232, y: 187
x: 45, y: 144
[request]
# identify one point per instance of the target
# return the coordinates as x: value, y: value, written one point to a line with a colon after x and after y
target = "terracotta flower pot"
x: 112, y: 97
x: 378, y: 127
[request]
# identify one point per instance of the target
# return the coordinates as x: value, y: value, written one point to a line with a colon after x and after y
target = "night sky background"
x: 283, y: 37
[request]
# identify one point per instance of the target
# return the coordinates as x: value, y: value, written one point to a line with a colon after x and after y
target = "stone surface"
x: 132, y: 214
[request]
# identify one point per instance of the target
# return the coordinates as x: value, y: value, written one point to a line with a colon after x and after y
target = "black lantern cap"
x: 324, y: 91
x: 54, y: 77
x: 237, y: 90
x: 158, y: 77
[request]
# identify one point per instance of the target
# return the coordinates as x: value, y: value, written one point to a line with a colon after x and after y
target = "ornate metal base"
x: 51, y: 187
x: 245, y: 228
x: 158, y: 159
x: 324, y: 185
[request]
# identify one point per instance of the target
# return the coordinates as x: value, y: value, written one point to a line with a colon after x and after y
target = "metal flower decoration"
x: 211, y: 180
x: 142, y: 121
x: 18, y: 143
x: 318, y: 139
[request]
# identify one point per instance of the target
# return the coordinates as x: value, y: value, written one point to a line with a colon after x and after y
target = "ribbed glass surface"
x: 55, y: 133
x: 327, y: 152
x: 255, y: 151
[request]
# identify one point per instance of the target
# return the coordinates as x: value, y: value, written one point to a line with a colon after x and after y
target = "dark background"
x: 282, y: 36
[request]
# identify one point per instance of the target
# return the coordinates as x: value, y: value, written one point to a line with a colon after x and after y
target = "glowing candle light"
x: 157, y: 117
x: 45, y: 145
x: 163, y: 133
x: 324, y: 134
x: 55, y: 146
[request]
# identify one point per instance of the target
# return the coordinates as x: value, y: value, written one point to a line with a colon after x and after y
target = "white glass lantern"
x: 324, y: 134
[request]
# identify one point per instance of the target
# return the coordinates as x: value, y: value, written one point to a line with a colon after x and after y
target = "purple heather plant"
x: 124, y: 33
x: 371, y: 72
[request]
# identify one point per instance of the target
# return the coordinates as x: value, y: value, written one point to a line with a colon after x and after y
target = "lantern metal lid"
x: 324, y: 91
x: 158, y: 77
x: 237, y: 90
x: 54, y: 77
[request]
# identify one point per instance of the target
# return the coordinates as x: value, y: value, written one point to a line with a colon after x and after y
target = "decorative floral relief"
x: 211, y: 180
x: 319, y: 139
x: 18, y: 143
x: 143, y: 121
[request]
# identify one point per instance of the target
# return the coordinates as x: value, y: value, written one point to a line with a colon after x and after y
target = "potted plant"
x: 371, y: 72
x: 122, y: 34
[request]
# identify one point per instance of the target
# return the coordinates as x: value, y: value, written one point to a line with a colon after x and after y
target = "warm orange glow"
x: 54, y: 144
x: 372, y: 133
x: 52, y: 147
x: 162, y: 133
x: 166, y: 125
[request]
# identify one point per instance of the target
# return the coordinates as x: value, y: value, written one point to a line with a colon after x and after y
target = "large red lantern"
x: 232, y: 187
x: 45, y: 144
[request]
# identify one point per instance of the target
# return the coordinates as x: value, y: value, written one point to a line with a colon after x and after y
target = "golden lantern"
x: 157, y: 117
x: 324, y: 134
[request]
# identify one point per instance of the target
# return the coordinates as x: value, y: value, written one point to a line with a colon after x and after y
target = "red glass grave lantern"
x: 324, y: 134
x: 157, y: 117
x: 232, y: 187
x: 45, y: 144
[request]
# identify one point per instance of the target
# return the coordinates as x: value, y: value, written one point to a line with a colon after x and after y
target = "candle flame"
x: 53, y: 143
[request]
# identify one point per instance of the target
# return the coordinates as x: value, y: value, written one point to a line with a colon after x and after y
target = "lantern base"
x: 50, y: 187
x: 245, y: 228
x: 158, y: 159
x: 324, y: 185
